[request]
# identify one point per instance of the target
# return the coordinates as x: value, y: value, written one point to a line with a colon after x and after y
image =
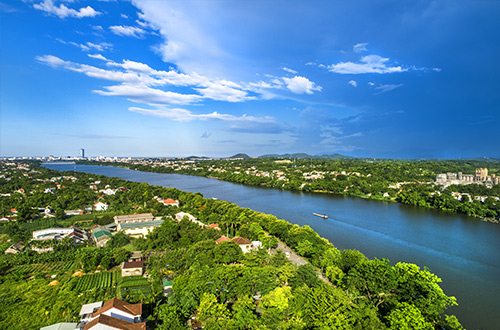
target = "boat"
x: 324, y: 216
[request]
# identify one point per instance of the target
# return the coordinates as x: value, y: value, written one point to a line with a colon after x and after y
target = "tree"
x: 227, y: 252
x: 407, y: 317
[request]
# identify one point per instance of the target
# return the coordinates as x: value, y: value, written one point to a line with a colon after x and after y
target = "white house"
x: 100, y: 206
x: 116, y: 314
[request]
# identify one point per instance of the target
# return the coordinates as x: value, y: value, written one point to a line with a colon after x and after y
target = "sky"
x: 150, y: 78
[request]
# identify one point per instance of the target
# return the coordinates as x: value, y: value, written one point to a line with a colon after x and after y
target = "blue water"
x: 461, y: 250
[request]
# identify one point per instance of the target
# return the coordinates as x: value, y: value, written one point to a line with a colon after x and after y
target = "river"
x: 461, y: 250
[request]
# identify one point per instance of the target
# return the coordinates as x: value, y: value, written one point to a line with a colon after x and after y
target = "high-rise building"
x: 82, y: 153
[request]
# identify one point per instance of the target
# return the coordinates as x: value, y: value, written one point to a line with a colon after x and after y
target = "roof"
x: 129, y: 225
x: 134, y: 216
x: 90, y: 308
x: 170, y: 201
x: 132, y: 309
x: 222, y: 239
x: 115, y: 323
x: 241, y: 241
x: 132, y: 264
x: 60, y: 326
x: 99, y: 232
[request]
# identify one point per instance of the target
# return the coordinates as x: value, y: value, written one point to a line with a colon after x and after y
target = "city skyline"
x: 182, y: 78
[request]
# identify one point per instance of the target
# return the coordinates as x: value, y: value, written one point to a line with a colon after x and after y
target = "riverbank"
x: 428, y: 200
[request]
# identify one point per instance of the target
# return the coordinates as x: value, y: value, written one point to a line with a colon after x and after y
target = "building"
x: 132, y: 268
x: 100, y: 206
x: 137, y: 225
x: 115, y: 314
x: 82, y: 153
x: 244, y: 244
x: 169, y: 202
x: 15, y: 248
x: 480, y: 177
x: 88, y: 310
x: 77, y: 234
x: 139, y: 229
x: 101, y: 235
x: 132, y: 218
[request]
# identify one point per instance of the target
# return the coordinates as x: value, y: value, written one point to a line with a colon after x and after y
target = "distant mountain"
x: 240, y: 155
x: 307, y: 156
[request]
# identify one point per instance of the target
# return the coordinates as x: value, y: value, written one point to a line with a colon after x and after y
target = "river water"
x: 462, y: 251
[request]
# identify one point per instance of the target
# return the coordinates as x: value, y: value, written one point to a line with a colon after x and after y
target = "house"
x: 139, y: 229
x: 117, y: 314
x: 7, y: 218
x: 179, y: 216
x: 213, y: 225
x: 135, y: 256
x: 101, y: 235
x: 132, y: 218
x: 169, y: 202
x: 15, y: 248
x: 87, y: 311
x: 100, y: 206
x: 244, y: 244
x: 76, y: 233
x: 222, y: 239
x: 132, y: 268
x: 108, y: 191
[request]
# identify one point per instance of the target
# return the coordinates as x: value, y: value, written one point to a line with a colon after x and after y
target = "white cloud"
x: 127, y: 31
x: 187, y: 41
x: 148, y: 95
x: 184, y: 115
x: 387, y: 88
x: 88, y: 46
x: 221, y: 92
x: 62, y: 11
x: 361, y: 47
x: 289, y: 70
x: 98, y: 57
x: 353, y: 83
x: 367, y: 64
x: 301, y: 85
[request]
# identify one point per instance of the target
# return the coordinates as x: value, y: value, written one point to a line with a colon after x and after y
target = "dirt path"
x: 298, y: 260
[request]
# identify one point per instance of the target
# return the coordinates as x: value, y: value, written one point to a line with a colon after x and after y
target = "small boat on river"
x: 324, y: 216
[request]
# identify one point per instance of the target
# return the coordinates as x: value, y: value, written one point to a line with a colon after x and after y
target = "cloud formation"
x: 301, y: 85
x: 387, y: 88
x: 361, y: 47
x: 353, y: 83
x: 128, y: 31
x: 62, y: 11
x: 367, y: 64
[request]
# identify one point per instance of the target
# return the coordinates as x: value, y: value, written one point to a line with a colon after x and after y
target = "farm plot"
x: 135, y: 287
x: 102, y: 280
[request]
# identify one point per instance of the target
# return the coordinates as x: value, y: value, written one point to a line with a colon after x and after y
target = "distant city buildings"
x: 480, y: 177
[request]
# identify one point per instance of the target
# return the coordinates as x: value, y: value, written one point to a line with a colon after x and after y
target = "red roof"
x: 213, y: 225
x: 133, y: 264
x: 241, y: 241
x: 132, y: 309
x: 222, y: 239
x: 170, y: 201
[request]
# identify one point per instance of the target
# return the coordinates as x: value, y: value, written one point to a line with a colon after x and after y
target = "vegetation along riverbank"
x: 412, y: 182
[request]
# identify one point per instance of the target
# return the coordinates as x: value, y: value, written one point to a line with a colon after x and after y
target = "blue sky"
x: 391, y: 79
